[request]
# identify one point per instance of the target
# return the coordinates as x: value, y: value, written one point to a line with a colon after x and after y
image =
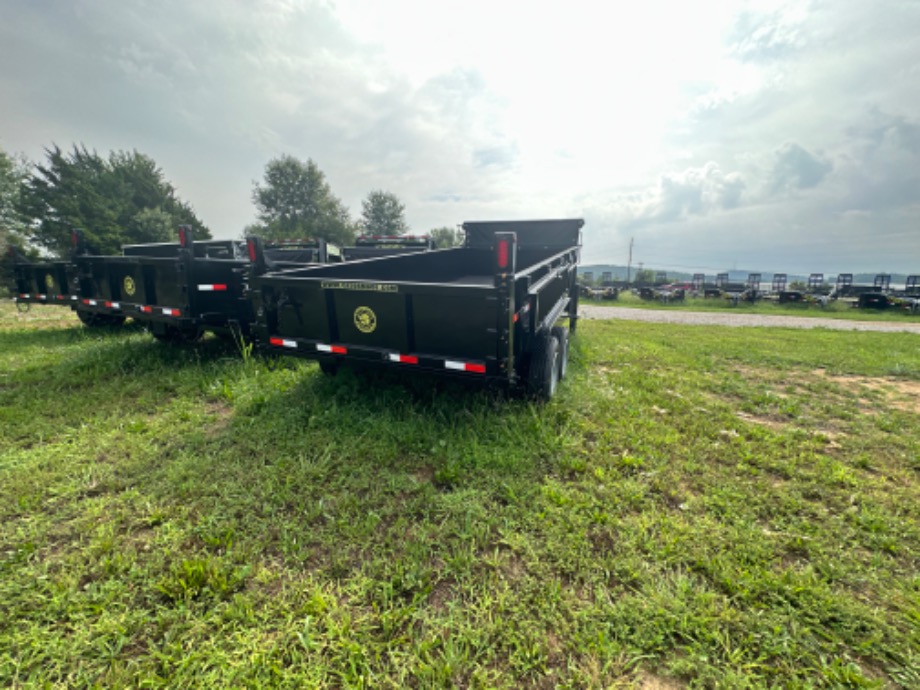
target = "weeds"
x: 702, y: 507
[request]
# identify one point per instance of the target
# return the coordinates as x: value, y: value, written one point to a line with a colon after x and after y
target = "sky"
x: 713, y: 135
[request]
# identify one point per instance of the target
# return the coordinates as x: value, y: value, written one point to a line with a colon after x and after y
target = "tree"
x: 446, y: 237
x: 645, y: 275
x: 382, y: 213
x: 295, y: 201
x: 122, y: 199
x: 13, y: 227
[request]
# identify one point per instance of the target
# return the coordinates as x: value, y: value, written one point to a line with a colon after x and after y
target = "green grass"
x: 698, y: 507
x: 834, y: 310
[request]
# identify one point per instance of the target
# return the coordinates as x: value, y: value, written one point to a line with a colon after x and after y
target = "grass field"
x: 698, y: 507
x: 834, y: 310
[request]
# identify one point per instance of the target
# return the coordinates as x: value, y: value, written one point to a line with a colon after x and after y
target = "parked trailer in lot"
x: 179, y: 290
x: 375, y: 246
x: 487, y: 310
x: 40, y: 282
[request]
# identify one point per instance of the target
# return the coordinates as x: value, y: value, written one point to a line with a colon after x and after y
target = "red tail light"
x: 74, y: 239
x: 503, y: 253
x: 183, y: 236
x: 251, y: 248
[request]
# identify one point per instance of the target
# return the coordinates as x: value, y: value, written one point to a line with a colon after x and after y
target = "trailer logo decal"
x: 130, y: 287
x: 368, y: 287
x: 49, y: 281
x: 365, y: 319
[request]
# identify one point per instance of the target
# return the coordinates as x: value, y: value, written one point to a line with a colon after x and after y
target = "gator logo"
x: 49, y: 281
x: 130, y: 287
x: 365, y: 319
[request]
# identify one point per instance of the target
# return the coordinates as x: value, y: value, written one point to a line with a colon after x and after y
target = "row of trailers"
x: 498, y: 309
x: 817, y: 290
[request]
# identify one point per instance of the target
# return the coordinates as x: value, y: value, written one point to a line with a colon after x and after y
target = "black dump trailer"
x: 179, y: 290
x: 40, y: 282
x: 376, y: 246
x: 487, y: 310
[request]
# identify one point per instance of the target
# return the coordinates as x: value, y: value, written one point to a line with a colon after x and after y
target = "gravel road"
x: 699, y: 318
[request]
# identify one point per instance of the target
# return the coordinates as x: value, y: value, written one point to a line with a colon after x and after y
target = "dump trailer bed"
x: 179, y: 290
x: 485, y: 310
x: 40, y: 282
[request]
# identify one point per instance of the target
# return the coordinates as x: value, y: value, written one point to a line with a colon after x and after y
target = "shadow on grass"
x: 16, y: 341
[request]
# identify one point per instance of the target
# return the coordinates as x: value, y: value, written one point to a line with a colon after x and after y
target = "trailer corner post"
x: 255, y: 249
x: 77, y: 242
x: 573, y: 297
x: 505, y: 266
x: 187, y: 264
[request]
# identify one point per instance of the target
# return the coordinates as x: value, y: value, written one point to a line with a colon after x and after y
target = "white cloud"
x: 766, y: 127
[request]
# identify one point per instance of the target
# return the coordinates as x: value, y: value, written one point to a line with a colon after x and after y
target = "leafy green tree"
x: 644, y: 275
x: 13, y: 227
x: 295, y: 201
x: 122, y: 199
x: 446, y: 237
x: 382, y: 213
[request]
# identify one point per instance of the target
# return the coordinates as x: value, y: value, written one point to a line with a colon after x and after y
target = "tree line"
x: 125, y: 198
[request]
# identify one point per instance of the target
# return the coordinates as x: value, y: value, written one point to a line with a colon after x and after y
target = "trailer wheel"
x: 544, y: 368
x: 171, y: 334
x: 562, y: 335
x: 90, y: 319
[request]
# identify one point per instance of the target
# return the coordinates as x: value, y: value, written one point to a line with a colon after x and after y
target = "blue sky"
x: 763, y: 135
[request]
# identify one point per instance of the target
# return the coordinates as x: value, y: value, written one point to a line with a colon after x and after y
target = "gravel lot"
x: 591, y: 311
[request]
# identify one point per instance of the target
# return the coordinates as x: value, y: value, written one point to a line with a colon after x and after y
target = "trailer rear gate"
x: 474, y: 309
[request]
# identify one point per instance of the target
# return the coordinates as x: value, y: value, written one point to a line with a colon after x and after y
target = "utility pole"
x: 629, y: 263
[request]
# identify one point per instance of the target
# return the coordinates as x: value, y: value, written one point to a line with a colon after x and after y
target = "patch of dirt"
x: 423, y: 475
x: 515, y: 568
x: 769, y: 422
x: 901, y: 394
x: 222, y: 412
x: 649, y: 681
x: 441, y: 593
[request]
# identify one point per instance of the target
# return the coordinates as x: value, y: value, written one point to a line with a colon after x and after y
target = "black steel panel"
x: 372, y: 319
x: 461, y: 326
x: 303, y: 316
x: 559, y: 233
x: 169, y: 282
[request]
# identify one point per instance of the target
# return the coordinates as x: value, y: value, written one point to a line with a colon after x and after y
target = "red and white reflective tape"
x: 90, y: 302
x: 113, y: 305
x: 42, y: 296
x: 74, y: 298
x: 473, y: 367
x: 403, y: 359
x: 282, y: 342
x: 60, y: 297
x: 145, y: 309
x: 216, y: 287
x: 333, y: 349
x: 171, y: 312
x: 24, y: 296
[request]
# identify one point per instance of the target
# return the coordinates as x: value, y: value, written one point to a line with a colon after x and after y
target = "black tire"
x: 562, y: 335
x: 328, y: 367
x: 175, y: 335
x: 543, y: 376
x: 91, y: 320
